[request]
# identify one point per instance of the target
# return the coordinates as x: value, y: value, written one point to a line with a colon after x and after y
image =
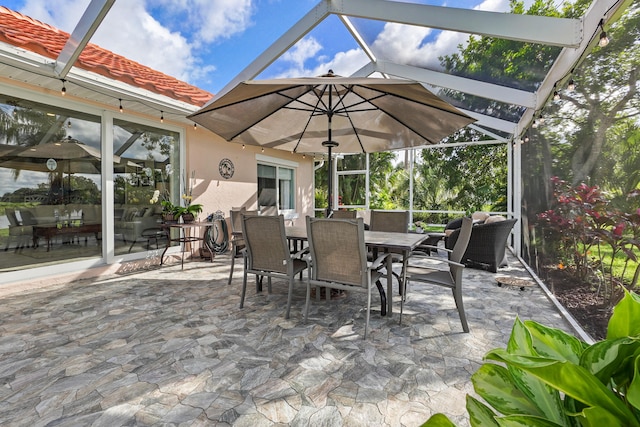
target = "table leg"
x: 166, y: 248
x: 389, y: 287
x: 184, y: 247
x: 405, y: 263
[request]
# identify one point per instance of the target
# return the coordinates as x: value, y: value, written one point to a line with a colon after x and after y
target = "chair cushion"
x: 494, y: 218
x: 479, y: 216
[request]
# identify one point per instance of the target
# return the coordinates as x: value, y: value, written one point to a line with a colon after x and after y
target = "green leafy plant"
x: 546, y: 377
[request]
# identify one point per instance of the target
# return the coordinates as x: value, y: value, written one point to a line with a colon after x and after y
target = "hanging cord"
x: 216, y: 237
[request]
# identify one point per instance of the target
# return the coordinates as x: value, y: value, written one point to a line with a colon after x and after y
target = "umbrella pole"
x: 330, y: 145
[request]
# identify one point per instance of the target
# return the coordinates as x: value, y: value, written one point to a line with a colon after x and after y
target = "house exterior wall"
x: 200, y: 151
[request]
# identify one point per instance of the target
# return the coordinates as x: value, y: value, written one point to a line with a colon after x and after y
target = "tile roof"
x: 35, y: 36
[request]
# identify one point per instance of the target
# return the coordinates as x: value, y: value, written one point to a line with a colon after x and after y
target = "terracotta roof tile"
x: 35, y: 36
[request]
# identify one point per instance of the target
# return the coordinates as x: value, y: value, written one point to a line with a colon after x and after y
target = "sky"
x: 208, y: 42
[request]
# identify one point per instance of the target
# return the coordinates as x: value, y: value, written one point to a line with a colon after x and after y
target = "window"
x: 50, y: 176
x: 276, y: 186
x: 146, y: 173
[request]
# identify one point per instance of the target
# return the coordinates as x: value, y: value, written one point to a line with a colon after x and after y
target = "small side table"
x: 185, y: 237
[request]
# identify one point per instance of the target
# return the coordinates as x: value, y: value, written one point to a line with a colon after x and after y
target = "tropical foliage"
x: 546, y: 377
x: 580, y: 223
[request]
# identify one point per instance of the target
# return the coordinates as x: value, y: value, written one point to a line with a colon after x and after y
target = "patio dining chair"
x: 267, y: 254
x: 237, y: 241
x: 449, y: 278
x: 21, y: 232
x: 343, y: 214
x: 394, y: 222
x: 338, y: 260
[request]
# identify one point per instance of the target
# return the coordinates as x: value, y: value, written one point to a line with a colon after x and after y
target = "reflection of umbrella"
x: 66, y: 156
x: 7, y: 150
x: 303, y: 115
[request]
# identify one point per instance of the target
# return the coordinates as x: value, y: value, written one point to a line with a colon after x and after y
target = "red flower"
x: 618, y: 229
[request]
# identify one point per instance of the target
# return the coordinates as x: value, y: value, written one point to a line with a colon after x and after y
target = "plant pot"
x: 169, y: 218
x: 188, y: 217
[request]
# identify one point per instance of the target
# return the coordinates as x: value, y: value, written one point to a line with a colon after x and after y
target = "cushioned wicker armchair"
x: 486, y: 248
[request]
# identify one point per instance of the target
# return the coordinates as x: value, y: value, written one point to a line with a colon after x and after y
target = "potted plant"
x: 170, y: 212
x: 190, y: 212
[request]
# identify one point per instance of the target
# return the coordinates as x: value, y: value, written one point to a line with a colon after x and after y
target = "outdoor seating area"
x: 168, y: 345
x: 270, y: 242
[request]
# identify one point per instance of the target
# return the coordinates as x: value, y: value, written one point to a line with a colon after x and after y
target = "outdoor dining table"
x: 377, y: 241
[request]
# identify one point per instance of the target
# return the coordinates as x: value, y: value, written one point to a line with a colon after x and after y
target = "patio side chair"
x: 394, y: 222
x: 338, y: 260
x: 449, y: 278
x: 237, y: 241
x: 266, y: 254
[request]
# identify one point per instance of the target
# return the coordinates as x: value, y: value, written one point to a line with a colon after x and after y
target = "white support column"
x: 411, y: 155
x: 108, y: 225
x: 516, y: 177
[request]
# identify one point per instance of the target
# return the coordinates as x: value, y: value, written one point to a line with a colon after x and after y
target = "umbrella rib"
x: 313, y: 113
x: 346, y: 114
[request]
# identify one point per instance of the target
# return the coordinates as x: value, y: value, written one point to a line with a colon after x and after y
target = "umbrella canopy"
x: 344, y: 114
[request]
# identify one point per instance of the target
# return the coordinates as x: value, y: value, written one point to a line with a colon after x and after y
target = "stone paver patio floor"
x: 171, y: 347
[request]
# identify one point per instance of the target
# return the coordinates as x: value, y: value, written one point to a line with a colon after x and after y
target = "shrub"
x: 579, y: 222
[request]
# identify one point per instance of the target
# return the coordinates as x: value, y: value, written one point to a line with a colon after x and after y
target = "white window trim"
x: 261, y: 158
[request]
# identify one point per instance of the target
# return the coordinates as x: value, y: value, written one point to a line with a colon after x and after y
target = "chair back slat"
x: 266, y: 242
x: 463, y: 240
x: 11, y: 216
x: 338, y: 251
x: 342, y: 214
x: 235, y: 216
x: 391, y: 221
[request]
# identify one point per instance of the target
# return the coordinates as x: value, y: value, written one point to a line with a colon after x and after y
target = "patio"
x: 171, y: 347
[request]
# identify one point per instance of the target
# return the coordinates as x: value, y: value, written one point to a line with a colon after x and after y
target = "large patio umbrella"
x: 330, y: 114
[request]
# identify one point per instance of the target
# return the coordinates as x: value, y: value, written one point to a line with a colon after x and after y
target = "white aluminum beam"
x: 279, y: 47
x: 86, y: 27
x: 488, y: 133
x: 491, y: 122
x: 474, y: 87
x: 525, y: 28
x: 358, y: 38
x: 365, y: 71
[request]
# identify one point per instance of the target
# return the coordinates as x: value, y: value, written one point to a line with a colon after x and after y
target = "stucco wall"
x: 204, y: 150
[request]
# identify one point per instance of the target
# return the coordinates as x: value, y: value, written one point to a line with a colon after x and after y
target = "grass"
x: 605, y: 252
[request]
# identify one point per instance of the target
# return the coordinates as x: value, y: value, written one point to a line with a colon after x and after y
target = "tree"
x: 606, y: 94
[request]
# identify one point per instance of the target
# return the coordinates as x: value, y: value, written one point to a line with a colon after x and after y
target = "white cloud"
x: 301, y: 51
x: 406, y: 43
x: 343, y: 63
x: 219, y: 19
x: 130, y: 30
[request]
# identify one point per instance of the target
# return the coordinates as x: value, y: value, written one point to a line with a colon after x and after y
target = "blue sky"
x: 208, y: 42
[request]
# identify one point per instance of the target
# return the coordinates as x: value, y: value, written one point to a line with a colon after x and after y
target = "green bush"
x: 546, y: 377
